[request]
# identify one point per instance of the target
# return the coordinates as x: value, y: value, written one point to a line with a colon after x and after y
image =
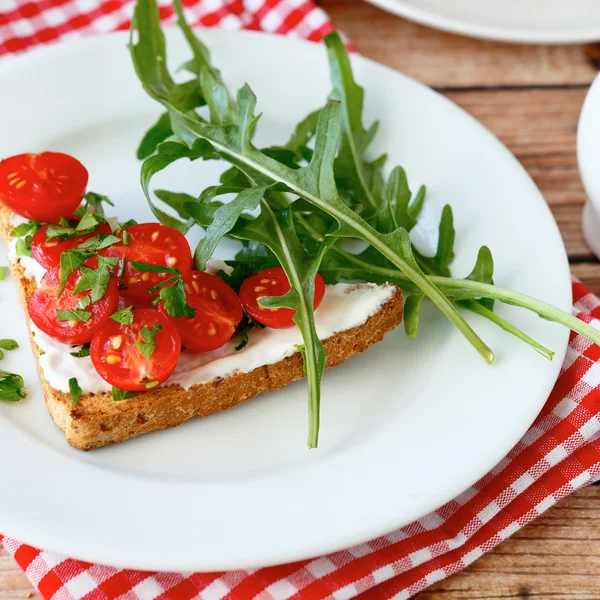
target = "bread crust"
x: 98, y: 420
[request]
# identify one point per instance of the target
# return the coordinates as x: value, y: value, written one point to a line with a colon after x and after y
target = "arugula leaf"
x: 353, y: 173
x: 11, y: 387
x: 304, y: 132
x: 483, y: 271
x: 23, y: 246
x: 97, y: 280
x: 167, y: 153
x: 276, y: 231
x: 85, y: 351
x: 393, y: 211
x: 70, y: 261
x: 440, y: 263
x: 118, y: 394
x: 80, y: 315
x: 24, y: 229
x: 74, y: 390
x: 123, y: 316
x: 159, y: 132
x: 176, y: 200
x: 412, y: 306
x: 224, y: 220
x: 148, y: 346
x: 3, y: 273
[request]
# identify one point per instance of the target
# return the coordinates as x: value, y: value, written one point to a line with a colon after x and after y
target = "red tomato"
x: 154, y: 244
x: 273, y: 282
x: 119, y: 359
x: 42, y: 187
x: 44, y: 303
x: 47, y: 252
x: 218, y: 312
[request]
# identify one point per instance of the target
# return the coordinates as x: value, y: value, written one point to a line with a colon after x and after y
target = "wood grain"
x: 530, y: 97
x: 447, y: 60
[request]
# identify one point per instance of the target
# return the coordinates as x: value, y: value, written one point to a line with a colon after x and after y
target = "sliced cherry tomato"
x: 273, y: 282
x: 44, y: 303
x: 47, y: 252
x: 139, y: 356
x: 218, y: 312
x: 43, y: 187
x: 154, y: 244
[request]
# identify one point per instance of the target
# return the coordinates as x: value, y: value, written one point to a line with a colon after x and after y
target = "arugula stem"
x: 481, y: 310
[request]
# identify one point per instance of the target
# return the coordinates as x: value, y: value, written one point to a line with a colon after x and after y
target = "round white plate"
x: 523, y: 21
x: 405, y: 427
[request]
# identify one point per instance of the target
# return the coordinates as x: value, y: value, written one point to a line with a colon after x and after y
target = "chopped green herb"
x: 8, y: 344
x: 11, y: 387
x: 29, y: 228
x: 23, y: 246
x: 148, y: 346
x: 3, y: 272
x: 70, y: 261
x: 88, y: 221
x: 123, y: 316
x: 97, y: 201
x: 83, y: 303
x: 98, y: 242
x: 74, y: 390
x: 125, y: 226
x: 97, y: 280
x: 126, y: 238
x: 74, y: 315
x: 118, y: 394
x: 151, y: 384
x: 122, y: 268
x: 148, y: 268
x: 85, y: 351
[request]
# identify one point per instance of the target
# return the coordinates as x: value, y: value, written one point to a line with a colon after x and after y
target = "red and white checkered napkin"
x: 559, y: 454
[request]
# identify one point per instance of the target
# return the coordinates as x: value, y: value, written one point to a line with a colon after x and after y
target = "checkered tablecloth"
x: 558, y: 455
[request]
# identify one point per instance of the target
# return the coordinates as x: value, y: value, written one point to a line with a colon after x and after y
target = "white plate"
x: 524, y: 21
x: 405, y: 428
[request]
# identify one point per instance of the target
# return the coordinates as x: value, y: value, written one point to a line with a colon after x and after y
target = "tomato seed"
x: 259, y: 288
x: 145, y: 276
x: 172, y: 261
x: 211, y: 329
x: 213, y: 294
x: 155, y: 235
x: 113, y: 359
x: 20, y: 184
x: 116, y: 341
x: 196, y: 286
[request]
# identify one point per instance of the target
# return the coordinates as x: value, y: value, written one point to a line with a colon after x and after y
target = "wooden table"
x: 530, y: 97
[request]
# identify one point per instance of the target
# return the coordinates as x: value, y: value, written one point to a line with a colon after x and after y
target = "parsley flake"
x: 74, y: 390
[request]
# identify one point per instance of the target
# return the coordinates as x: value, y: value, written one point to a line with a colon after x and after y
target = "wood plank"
x: 557, y: 556
x: 442, y: 59
x: 13, y: 583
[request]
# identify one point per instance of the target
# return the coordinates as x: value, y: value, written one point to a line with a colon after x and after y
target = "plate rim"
x: 486, y: 32
x: 191, y: 565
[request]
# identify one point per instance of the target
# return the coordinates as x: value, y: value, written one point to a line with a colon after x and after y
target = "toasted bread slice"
x: 98, y: 420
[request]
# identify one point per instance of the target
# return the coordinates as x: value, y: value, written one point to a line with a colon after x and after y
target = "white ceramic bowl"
x: 588, y: 152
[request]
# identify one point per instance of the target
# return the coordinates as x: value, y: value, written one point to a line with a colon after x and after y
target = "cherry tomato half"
x: 121, y: 355
x: 47, y: 252
x: 218, y: 312
x: 273, y: 282
x: 154, y: 244
x: 42, y: 187
x: 44, y: 303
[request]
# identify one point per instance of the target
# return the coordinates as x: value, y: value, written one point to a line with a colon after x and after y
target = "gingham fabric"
x: 558, y: 455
